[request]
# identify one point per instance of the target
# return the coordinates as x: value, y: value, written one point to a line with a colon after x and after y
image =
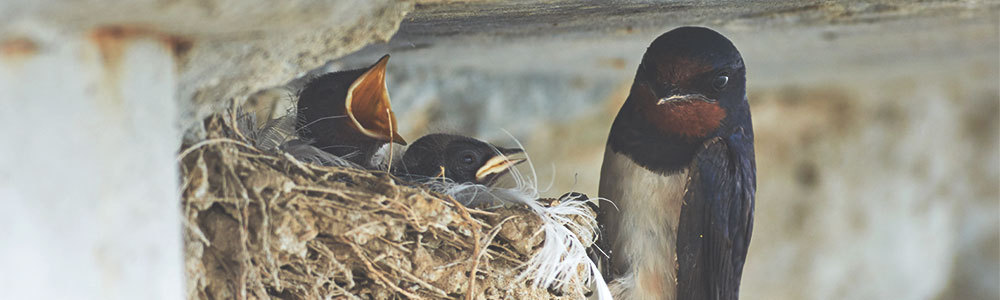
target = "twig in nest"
x: 298, y: 164
x: 232, y: 120
x: 392, y: 134
x: 496, y: 230
x: 416, y: 279
x: 476, y: 249
x: 266, y: 238
x: 209, y: 142
x: 371, y: 268
x: 394, y: 245
x: 348, y: 276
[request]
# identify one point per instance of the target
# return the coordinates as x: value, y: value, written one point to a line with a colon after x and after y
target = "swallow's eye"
x: 720, y: 81
x: 467, y: 157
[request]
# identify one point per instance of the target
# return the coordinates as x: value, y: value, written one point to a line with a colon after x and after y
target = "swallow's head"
x: 689, y: 80
x: 459, y: 158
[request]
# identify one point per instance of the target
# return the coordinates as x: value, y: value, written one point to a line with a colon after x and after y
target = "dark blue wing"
x: 717, y: 219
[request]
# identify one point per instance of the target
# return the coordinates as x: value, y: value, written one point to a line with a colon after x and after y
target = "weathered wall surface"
x: 79, y: 124
x: 225, y: 48
x: 877, y: 191
x: 94, y: 99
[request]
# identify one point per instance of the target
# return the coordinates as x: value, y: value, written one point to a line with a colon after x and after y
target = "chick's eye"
x: 720, y: 81
x: 468, y: 157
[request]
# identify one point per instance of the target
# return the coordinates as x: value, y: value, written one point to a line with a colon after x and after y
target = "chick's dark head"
x: 459, y: 158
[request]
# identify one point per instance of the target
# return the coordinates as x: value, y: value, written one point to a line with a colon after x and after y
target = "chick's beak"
x: 369, y: 107
x: 498, y: 164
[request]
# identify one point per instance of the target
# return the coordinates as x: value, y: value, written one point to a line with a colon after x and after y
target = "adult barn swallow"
x: 679, y: 166
x: 348, y: 113
x: 459, y: 158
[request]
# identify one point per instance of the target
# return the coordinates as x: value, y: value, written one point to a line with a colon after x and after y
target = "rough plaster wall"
x: 227, y: 49
x: 95, y: 97
x: 877, y: 191
x: 79, y: 124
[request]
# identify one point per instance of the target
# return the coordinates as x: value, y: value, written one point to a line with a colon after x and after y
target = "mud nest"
x: 263, y: 225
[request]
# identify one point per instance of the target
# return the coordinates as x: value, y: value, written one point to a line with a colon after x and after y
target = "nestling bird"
x: 459, y: 158
x: 348, y: 113
x: 679, y: 165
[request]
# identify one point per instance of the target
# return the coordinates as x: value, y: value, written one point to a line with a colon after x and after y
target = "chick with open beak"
x: 348, y: 113
x: 458, y: 158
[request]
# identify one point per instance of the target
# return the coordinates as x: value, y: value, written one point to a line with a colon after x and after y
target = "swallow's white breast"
x: 650, y: 206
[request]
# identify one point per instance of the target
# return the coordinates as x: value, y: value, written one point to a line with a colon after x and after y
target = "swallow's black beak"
x: 684, y: 98
x: 498, y: 164
x: 510, y: 151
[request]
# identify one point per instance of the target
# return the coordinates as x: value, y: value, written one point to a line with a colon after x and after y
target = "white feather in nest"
x: 562, y: 252
x: 269, y: 135
x: 388, y: 156
x: 279, y: 135
x: 305, y: 152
